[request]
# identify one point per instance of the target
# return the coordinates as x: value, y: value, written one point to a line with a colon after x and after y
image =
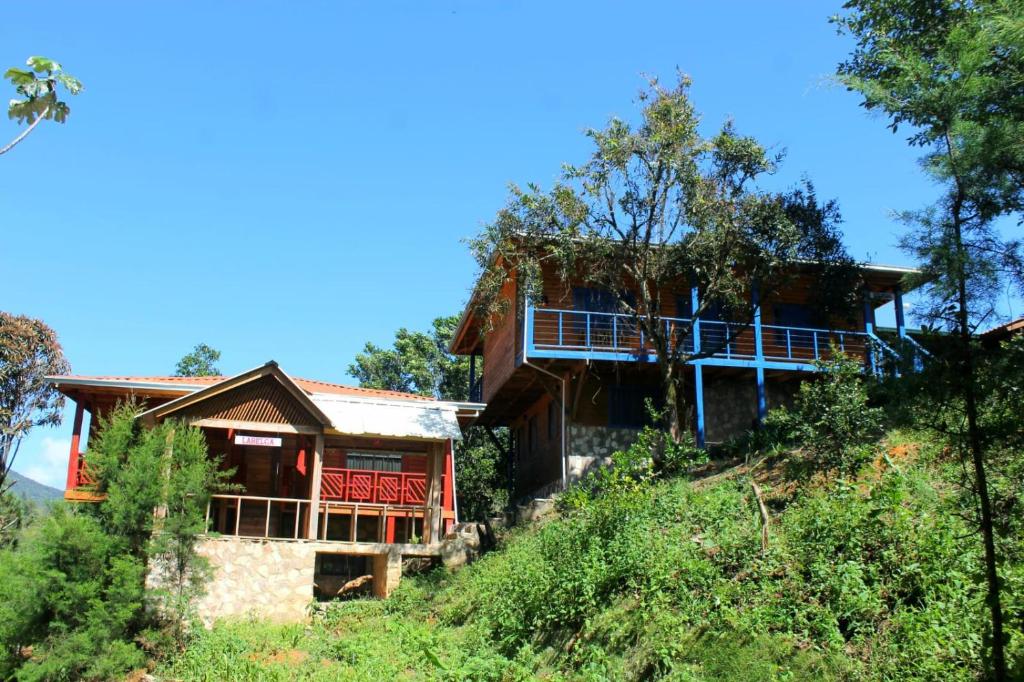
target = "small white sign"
x: 265, y: 441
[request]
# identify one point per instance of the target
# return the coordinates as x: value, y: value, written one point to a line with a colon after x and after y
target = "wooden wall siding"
x: 500, y: 346
x: 263, y: 400
x: 558, y: 294
x: 544, y: 463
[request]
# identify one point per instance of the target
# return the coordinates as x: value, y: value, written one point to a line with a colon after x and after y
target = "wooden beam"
x: 432, y: 517
x: 314, y: 487
x: 256, y: 426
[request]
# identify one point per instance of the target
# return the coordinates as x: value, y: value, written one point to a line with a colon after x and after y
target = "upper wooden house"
x: 359, y: 477
x: 570, y: 375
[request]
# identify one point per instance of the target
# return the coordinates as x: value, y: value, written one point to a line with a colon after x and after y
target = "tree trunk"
x: 674, y: 402
x: 977, y: 451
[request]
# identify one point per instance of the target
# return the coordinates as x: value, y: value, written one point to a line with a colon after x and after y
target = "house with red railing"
x: 331, y: 482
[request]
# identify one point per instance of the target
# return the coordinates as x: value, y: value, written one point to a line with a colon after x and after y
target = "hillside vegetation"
x: 869, y: 578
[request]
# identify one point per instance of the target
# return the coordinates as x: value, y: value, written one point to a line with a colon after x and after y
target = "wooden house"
x: 336, y: 481
x: 570, y: 375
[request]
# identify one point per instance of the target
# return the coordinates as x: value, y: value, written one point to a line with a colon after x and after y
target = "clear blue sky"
x: 290, y: 180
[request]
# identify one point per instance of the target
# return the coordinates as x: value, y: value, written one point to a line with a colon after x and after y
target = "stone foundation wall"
x: 592, y: 446
x: 730, y: 404
x: 274, y: 579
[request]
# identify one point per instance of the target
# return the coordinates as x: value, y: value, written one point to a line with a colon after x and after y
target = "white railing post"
x: 314, y: 489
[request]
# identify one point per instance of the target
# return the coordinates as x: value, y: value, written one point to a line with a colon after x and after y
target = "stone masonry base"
x: 273, y: 579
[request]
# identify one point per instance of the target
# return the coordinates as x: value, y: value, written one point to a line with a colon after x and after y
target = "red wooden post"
x: 76, y: 438
x: 389, y: 528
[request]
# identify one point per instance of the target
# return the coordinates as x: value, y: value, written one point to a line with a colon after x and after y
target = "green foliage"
x: 870, y: 579
x: 201, y: 362
x: 38, y: 88
x: 418, y: 362
x: 831, y: 420
x: 653, y: 453
x: 74, y: 598
x: 877, y: 582
x: 29, y: 352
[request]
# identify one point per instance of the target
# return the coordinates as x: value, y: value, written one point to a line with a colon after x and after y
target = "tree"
x: 201, y: 362
x: 417, y: 363
x: 951, y: 71
x: 656, y: 208
x: 420, y: 363
x: 37, y: 88
x: 75, y: 591
x: 29, y: 352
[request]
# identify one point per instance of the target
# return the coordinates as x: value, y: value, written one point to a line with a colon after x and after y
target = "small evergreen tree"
x: 74, y: 602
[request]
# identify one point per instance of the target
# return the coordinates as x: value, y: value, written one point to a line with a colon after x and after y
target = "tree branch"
x: 25, y: 132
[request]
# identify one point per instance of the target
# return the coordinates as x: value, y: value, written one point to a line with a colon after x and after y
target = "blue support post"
x: 901, y: 324
x: 528, y: 346
x: 762, y: 400
x: 698, y: 371
x: 869, y: 329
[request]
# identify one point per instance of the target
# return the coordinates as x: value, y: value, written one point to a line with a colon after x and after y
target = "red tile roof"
x: 309, y: 385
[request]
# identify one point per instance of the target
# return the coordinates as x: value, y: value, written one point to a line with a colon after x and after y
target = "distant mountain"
x: 33, y: 491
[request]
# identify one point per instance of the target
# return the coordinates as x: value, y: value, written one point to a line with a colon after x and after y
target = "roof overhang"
x: 270, y: 369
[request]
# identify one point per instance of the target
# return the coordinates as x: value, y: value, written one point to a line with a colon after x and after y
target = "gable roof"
x: 269, y: 370
x: 331, y: 408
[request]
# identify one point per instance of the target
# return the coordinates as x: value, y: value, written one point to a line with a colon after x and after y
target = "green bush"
x: 73, y: 598
x: 831, y: 419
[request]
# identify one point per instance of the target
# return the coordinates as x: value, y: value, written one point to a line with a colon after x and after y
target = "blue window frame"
x: 793, y: 315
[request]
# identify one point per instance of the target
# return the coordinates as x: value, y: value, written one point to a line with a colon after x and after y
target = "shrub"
x: 831, y: 419
x: 73, y: 597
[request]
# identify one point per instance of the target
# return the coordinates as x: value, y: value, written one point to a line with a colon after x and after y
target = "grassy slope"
x: 866, y: 580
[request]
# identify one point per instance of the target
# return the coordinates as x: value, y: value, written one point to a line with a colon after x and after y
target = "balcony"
x: 575, y: 334
x: 373, y: 487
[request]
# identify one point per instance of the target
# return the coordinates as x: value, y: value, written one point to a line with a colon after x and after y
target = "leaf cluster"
x: 38, y: 89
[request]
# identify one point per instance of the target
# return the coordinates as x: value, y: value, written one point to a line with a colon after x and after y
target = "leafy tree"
x: 37, y: 88
x: 951, y: 72
x: 74, y: 592
x: 201, y: 362
x: 419, y: 362
x: 29, y: 352
x: 656, y: 208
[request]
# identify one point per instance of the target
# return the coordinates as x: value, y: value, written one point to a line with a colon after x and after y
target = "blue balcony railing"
x: 575, y: 333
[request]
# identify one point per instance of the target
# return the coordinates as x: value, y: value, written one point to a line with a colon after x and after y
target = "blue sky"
x: 290, y: 180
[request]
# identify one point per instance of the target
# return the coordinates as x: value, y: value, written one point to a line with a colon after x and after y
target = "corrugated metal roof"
x: 391, y: 418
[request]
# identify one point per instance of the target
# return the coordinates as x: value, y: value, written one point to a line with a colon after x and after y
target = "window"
x: 601, y: 327
x: 793, y: 315
x: 627, y: 405
x: 374, y: 462
x: 553, y: 416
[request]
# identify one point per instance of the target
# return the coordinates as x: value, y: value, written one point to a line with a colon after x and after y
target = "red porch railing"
x: 82, y: 476
x: 373, y: 487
